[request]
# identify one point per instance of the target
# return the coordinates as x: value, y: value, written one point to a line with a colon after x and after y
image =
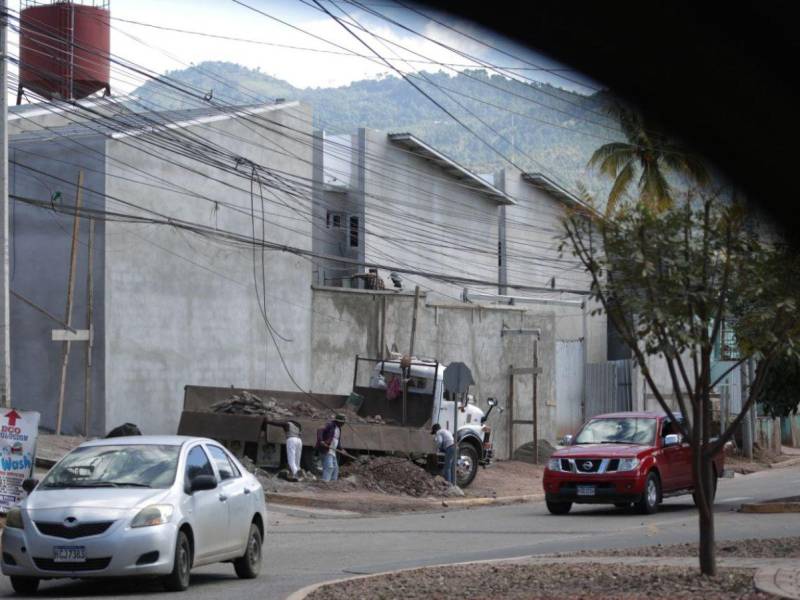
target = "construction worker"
x: 445, y: 443
x: 294, y: 444
x: 328, y: 442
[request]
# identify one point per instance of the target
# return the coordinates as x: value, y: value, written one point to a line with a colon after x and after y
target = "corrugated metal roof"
x: 137, y: 123
x: 449, y: 166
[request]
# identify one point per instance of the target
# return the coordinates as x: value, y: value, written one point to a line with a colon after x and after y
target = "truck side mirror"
x: 491, y: 401
x: 671, y: 440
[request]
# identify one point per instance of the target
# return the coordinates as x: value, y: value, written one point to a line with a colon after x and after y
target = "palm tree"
x: 649, y: 153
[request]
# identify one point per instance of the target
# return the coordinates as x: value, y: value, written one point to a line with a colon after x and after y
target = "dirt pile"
x: 248, y: 403
x: 393, y: 475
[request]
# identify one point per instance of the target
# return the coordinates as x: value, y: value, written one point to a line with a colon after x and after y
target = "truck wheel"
x: 559, y: 508
x: 466, y: 464
x: 648, y: 504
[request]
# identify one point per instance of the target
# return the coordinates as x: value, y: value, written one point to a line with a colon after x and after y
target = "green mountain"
x: 539, y: 127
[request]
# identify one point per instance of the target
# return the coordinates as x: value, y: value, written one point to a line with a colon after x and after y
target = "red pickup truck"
x: 628, y: 458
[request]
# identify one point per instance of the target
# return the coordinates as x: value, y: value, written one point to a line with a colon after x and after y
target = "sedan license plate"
x: 585, y: 490
x: 69, y: 553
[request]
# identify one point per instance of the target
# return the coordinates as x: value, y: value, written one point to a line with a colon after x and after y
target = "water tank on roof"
x: 64, y: 48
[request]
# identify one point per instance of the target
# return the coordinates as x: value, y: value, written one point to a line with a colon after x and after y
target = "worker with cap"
x: 445, y: 443
x: 328, y: 443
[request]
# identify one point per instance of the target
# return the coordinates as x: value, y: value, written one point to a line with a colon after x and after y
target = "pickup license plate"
x: 69, y: 553
x: 585, y: 490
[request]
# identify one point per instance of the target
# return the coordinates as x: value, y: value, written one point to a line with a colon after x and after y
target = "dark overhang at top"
x: 449, y: 166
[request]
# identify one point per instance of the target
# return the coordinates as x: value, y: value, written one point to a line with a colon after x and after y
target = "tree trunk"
x: 704, y: 473
x: 705, y: 503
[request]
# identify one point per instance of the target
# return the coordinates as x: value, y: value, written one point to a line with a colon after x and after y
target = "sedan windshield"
x: 625, y: 430
x: 146, y: 465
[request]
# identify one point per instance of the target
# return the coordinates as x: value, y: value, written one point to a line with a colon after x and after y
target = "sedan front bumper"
x: 119, y: 552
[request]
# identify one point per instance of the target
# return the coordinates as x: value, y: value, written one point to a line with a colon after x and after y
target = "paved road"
x: 309, y: 547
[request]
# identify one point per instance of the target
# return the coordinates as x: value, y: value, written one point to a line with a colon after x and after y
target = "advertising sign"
x: 18, y: 433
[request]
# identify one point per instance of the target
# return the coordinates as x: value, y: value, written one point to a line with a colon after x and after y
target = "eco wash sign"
x: 18, y: 434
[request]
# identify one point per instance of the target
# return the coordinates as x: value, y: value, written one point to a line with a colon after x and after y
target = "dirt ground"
x: 788, y: 547
x: 551, y: 582
x: 761, y: 461
x: 500, y: 480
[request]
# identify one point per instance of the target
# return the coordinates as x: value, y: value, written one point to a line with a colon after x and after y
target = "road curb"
x: 426, y: 504
x: 780, y: 581
x: 786, y: 463
x: 771, y: 507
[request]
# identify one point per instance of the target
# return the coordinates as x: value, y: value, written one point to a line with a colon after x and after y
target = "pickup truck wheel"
x: 559, y: 508
x: 466, y: 464
x: 648, y: 504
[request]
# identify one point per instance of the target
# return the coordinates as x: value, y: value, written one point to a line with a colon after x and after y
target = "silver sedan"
x: 142, y: 505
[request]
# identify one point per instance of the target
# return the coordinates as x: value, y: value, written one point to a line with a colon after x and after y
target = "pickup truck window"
x: 625, y: 430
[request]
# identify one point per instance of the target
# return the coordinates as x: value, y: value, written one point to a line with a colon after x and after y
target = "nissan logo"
x: 587, y: 465
x: 70, y: 522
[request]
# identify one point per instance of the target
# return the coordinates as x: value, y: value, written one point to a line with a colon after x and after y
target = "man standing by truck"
x: 294, y: 443
x: 445, y: 443
x: 328, y: 440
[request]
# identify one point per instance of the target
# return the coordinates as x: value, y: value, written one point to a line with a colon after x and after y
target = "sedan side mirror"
x: 672, y: 439
x: 29, y: 485
x: 202, y: 482
x: 566, y: 440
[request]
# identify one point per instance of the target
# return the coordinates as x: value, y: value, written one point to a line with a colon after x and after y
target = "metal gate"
x: 609, y: 387
x: 569, y: 386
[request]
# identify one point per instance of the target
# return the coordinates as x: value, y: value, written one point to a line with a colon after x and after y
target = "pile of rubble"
x: 394, y: 475
x: 248, y: 403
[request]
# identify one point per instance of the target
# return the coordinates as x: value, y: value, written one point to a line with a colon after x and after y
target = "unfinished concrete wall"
x: 45, y: 167
x: 182, y: 309
x: 419, y: 217
x: 348, y: 322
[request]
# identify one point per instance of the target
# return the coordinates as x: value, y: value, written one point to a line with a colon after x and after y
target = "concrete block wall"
x: 181, y: 309
x: 347, y: 322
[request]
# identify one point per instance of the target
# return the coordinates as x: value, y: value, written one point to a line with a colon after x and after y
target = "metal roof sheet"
x: 449, y: 166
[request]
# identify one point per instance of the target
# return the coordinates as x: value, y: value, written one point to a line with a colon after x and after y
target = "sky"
x: 162, y: 51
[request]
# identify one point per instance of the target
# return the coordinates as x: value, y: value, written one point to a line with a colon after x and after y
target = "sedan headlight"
x: 14, y: 518
x: 628, y: 464
x: 155, y: 514
x: 554, y: 464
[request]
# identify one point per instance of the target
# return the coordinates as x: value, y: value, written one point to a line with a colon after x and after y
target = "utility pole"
x: 5, y: 318
x: 414, y: 322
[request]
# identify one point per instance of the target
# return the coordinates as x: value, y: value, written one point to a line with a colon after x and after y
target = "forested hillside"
x: 537, y: 126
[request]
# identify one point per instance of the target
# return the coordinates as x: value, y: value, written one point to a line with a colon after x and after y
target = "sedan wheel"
x: 178, y: 580
x: 248, y: 566
x: 25, y: 586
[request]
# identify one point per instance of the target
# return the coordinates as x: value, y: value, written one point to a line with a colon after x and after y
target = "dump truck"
x: 380, y: 421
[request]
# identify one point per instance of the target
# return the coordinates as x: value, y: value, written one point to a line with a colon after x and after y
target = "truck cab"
x: 465, y: 420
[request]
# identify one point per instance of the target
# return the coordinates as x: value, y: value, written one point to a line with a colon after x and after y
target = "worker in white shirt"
x: 445, y: 443
x: 294, y: 443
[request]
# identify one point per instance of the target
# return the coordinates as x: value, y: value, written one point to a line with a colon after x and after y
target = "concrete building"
x: 392, y: 199
x: 170, y: 307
